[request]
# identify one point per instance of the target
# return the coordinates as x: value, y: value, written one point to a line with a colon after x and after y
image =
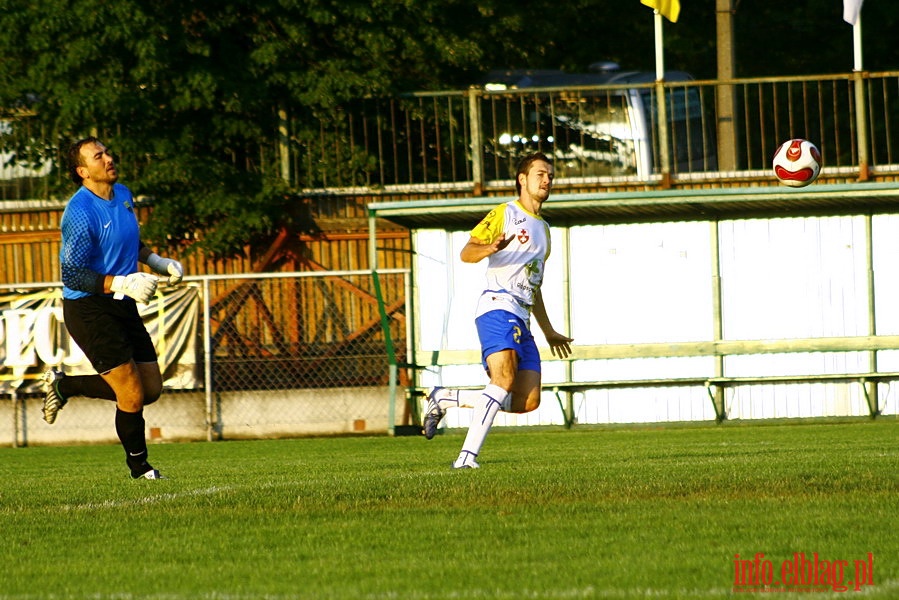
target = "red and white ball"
x: 797, y: 163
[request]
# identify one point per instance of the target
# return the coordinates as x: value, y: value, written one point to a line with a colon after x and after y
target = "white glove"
x: 166, y: 266
x: 140, y: 286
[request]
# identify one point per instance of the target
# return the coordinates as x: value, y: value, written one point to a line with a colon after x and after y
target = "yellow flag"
x: 670, y: 9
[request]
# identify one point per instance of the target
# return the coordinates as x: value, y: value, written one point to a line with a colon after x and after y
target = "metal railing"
x: 472, y: 138
x: 608, y: 132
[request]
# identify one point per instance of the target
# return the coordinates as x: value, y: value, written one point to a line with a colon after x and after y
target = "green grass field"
x: 613, y: 512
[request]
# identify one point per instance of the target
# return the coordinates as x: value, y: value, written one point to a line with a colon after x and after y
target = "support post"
x: 870, y: 388
x: 724, y: 93
x: 861, y: 108
x: 717, y: 395
x: 18, y: 418
x: 662, y: 105
x: 392, y: 370
x: 477, y: 145
x: 211, y: 421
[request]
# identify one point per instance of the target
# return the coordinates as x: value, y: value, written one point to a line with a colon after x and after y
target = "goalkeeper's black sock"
x: 92, y: 386
x: 131, y: 430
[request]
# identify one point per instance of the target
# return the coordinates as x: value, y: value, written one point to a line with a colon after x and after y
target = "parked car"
x: 601, y: 123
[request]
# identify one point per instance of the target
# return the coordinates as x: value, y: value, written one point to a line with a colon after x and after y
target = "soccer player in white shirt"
x: 515, y: 240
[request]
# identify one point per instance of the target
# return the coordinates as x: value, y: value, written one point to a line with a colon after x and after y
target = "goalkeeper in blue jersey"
x: 102, y: 284
x: 515, y: 240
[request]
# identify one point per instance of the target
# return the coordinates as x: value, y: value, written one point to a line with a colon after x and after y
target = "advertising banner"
x: 33, y: 338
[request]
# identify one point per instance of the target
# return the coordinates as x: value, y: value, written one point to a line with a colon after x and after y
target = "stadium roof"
x: 657, y: 205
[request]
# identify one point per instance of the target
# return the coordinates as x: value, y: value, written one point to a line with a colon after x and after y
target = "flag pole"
x: 861, y: 113
x: 661, y: 102
x: 660, y: 47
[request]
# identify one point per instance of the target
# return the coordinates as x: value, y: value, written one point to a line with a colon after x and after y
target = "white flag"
x: 851, y: 10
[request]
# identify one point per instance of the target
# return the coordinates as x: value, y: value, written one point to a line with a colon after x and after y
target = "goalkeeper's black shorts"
x: 110, y: 332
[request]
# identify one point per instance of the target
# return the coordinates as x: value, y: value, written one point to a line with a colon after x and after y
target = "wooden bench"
x: 574, y: 387
x: 869, y: 383
x: 714, y: 386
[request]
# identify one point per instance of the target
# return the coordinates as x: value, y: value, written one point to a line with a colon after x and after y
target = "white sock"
x: 448, y: 398
x: 491, y: 400
x: 466, y: 398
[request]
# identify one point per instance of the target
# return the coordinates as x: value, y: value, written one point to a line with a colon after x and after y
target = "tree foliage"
x: 189, y: 93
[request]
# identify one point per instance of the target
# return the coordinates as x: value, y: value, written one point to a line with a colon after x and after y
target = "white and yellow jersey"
x: 515, y: 273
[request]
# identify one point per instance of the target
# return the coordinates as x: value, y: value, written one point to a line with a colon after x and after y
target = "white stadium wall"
x: 652, y: 283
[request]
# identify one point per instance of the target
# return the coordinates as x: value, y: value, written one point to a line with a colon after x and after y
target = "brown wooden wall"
x: 336, y: 238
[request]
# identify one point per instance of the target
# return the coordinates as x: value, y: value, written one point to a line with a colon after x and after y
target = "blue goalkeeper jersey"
x: 99, y: 237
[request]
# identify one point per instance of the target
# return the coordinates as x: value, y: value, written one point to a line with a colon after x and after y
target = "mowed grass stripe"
x: 592, y: 512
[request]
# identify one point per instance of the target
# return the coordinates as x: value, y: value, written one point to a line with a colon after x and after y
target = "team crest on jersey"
x: 523, y: 236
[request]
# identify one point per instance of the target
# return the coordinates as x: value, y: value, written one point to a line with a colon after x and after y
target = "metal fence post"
x: 861, y: 127
x: 391, y: 353
x: 872, y: 389
x: 477, y: 145
x: 664, y: 154
x: 718, y: 395
x: 207, y: 363
x: 16, y: 420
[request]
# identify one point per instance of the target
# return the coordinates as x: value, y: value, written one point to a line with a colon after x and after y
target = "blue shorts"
x: 500, y: 330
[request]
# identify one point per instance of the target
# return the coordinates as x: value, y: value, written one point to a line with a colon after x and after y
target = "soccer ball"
x: 797, y: 163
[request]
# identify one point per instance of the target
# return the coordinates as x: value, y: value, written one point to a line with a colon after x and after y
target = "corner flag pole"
x: 662, y: 102
x: 659, y: 45
x: 857, y: 44
x: 853, y: 15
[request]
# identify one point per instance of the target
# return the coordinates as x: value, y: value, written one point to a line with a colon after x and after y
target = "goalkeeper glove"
x: 166, y: 266
x: 140, y: 286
